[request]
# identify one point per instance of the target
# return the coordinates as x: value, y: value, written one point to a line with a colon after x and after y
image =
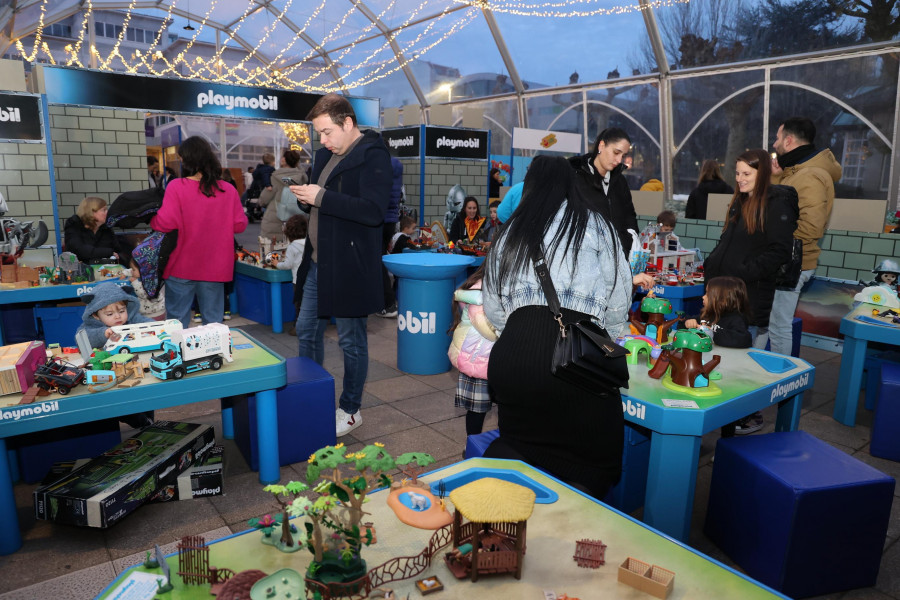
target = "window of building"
x: 854, y: 157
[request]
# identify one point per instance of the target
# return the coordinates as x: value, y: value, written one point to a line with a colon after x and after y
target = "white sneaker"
x: 345, y: 422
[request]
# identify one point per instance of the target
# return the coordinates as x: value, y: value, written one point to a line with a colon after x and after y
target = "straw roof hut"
x: 494, y: 509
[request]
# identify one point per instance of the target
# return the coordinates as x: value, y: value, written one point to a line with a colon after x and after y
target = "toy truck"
x: 190, y: 350
x: 58, y: 376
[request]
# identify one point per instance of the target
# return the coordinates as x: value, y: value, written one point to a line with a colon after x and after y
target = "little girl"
x: 726, y: 310
x: 295, y: 230
x: 152, y: 308
x: 726, y: 307
x: 473, y: 338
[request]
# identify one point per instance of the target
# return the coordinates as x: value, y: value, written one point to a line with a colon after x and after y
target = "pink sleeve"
x: 168, y: 216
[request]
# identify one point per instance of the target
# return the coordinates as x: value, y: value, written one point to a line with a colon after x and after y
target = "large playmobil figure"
x: 656, y: 326
x: 687, y: 368
x: 455, y: 198
x: 886, y: 275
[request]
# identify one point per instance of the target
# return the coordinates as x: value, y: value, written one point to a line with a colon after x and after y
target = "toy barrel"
x: 426, y: 281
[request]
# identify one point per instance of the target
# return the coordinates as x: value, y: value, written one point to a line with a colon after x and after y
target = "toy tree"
x: 289, y: 492
x: 412, y: 464
x: 339, y: 506
x: 97, y: 359
x: 656, y: 326
x: 687, y: 366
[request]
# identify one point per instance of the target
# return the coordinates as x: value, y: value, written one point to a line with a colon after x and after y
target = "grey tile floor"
x: 405, y: 412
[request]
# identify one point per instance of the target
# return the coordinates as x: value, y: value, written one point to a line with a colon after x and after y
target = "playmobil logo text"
x: 10, y: 114
x: 207, y: 491
x: 449, y: 143
x: 37, y: 409
x: 634, y: 409
x: 412, y: 324
x: 782, y: 390
x: 89, y: 289
x: 401, y: 142
x: 231, y: 102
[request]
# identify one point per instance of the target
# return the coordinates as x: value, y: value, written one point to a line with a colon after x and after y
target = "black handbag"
x: 584, y: 354
x: 788, y: 274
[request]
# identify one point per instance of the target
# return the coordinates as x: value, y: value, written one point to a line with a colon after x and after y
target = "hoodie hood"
x: 107, y: 293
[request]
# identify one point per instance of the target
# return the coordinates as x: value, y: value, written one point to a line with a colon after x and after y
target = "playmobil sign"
x: 402, y: 142
x: 20, y: 117
x: 634, y: 409
x: 38, y: 409
x: 259, y: 102
x: 424, y: 323
x: 783, y: 390
x: 208, y: 492
x: 447, y: 142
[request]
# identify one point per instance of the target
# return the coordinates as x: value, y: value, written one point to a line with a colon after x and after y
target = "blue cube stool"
x: 872, y: 367
x: 305, y: 415
x: 886, y: 426
x: 477, y: 444
x: 798, y: 514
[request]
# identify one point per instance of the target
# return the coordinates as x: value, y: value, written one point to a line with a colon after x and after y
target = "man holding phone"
x: 341, y: 269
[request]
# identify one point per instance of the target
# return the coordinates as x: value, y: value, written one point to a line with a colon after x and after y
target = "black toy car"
x: 58, y: 375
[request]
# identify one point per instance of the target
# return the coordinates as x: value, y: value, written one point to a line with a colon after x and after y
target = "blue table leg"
x: 277, y: 325
x: 11, y: 538
x: 849, y: 380
x: 13, y: 465
x: 267, y: 435
x: 227, y: 419
x: 671, y: 478
x: 232, y: 300
x: 788, y: 418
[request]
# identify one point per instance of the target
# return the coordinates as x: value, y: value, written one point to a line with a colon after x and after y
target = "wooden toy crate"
x: 642, y: 576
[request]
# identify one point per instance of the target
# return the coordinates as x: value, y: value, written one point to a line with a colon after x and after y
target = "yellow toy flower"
x: 349, y: 455
x: 379, y: 444
x: 339, y: 446
x: 876, y: 298
x: 360, y: 455
x: 312, y: 458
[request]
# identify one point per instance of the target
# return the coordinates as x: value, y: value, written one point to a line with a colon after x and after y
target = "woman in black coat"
x: 757, y: 236
x: 710, y: 182
x: 88, y: 237
x: 469, y: 225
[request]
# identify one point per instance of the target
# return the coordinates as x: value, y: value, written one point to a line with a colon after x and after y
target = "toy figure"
x: 688, y: 369
x: 656, y: 326
x: 455, y: 198
x: 886, y: 275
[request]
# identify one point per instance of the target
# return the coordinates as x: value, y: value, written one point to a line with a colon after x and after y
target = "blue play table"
x: 426, y: 281
x: 751, y: 380
x: 857, y: 335
x: 255, y: 369
x: 274, y: 278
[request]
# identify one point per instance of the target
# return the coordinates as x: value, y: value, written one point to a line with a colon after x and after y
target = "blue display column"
x: 426, y: 281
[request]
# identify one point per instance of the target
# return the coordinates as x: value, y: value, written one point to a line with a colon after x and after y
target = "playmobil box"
x: 205, y: 478
x: 103, y: 491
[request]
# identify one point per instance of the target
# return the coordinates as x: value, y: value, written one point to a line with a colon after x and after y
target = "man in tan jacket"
x: 813, y: 174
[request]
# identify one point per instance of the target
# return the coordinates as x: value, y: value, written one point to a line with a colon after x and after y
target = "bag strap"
x: 543, y: 275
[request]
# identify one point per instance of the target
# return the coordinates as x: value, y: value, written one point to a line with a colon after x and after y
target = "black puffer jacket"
x: 756, y: 257
x: 697, y: 201
x: 616, y: 205
x: 89, y: 247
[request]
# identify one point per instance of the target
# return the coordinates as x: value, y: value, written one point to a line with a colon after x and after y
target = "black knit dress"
x: 559, y: 428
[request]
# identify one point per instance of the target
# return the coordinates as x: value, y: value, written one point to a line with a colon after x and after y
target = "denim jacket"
x: 599, y: 286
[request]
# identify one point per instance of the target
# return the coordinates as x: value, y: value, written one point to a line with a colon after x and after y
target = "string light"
x: 308, y: 68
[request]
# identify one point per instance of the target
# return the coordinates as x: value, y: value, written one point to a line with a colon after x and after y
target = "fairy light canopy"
x: 400, y: 50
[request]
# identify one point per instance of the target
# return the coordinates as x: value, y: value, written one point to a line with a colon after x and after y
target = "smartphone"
x: 288, y: 181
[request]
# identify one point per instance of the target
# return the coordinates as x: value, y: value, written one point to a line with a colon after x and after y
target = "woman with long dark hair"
x: 709, y: 182
x: 757, y: 236
x: 571, y: 433
x: 206, y: 213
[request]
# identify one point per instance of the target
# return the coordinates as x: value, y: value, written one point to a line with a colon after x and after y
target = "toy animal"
x: 418, y: 501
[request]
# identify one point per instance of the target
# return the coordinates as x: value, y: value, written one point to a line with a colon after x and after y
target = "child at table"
x: 473, y: 338
x: 152, y: 308
x: 403, y: 238
x: 726, y: 310
x: 295, y: 229
x: 109, y: 305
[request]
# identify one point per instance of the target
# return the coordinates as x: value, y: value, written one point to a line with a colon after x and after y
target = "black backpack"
x: 134, y: 208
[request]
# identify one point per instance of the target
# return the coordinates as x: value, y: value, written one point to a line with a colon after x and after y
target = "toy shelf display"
x: 548, y: 564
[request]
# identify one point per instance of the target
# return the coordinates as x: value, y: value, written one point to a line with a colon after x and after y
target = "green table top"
x: 551, y: 535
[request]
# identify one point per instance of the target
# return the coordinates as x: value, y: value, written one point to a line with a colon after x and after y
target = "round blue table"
x: 426, y: 281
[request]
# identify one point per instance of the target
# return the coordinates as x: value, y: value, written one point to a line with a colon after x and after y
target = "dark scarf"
x: 797, y: 155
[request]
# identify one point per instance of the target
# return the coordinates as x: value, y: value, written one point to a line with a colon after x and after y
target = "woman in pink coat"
x: 206, y: 214
x: 469, y: 352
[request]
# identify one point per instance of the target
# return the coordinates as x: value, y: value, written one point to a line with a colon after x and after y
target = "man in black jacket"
x: 348, y: 197
x: 600, y: 178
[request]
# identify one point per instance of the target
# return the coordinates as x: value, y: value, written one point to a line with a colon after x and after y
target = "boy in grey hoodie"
x: 110, y: 305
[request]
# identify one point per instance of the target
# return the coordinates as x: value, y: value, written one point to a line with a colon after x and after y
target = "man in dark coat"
x: 348, y: 197
x: 599, y: 177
